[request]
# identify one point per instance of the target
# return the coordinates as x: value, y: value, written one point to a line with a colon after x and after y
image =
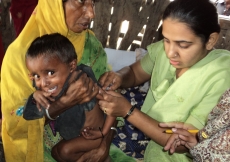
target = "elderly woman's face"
x: 78, y: 14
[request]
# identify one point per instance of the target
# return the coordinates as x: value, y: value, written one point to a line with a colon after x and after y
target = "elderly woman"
x: 187, y: 77
x: 31, y: 140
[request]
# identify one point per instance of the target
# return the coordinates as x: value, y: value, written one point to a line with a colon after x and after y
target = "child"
x: 212, y: 142
x: 52, y: 62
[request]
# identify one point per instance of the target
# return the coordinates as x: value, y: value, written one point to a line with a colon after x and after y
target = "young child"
x: 212, y: 142
x: 52, y: 63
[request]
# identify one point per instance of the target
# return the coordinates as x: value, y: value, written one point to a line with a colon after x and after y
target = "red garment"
x: 20, y: 11
x: 2, y: 53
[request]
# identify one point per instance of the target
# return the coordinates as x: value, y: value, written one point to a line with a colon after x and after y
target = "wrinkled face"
x: 182, y: 46
x: 78, y: 14
x: 49, y: 74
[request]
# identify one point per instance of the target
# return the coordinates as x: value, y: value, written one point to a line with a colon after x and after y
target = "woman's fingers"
x: 180, y: 137
x: 90, y: 90
x: 114, y: 104
x: 105, y: 80
x: 81, y: 91
x: 171, y: 142
x: 110, y: 81
x: 172, y: 125
x: 39, y: 107
x: 177, y: 125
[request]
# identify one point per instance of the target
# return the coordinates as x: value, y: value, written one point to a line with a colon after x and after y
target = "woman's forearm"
x: 133, y: 75
x: 150, y: 128
x: 127, y: 77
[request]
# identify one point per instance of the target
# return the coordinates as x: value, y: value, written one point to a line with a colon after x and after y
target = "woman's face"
x: 49, y: 73
x: 183, y: 48
x: 78, y: 14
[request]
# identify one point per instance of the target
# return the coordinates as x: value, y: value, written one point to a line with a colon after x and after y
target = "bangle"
x: 101, y: 132
x: 48, y: 115
x: 130, y: 112
x: 115, y: 129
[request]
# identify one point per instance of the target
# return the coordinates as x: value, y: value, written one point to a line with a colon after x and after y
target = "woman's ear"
x: 212, y: 41
x: 73, y: 65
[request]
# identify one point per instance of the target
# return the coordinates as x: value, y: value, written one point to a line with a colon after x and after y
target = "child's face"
x: 49, y: 74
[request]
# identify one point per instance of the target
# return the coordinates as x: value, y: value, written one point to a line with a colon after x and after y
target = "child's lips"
x: 52, y: 90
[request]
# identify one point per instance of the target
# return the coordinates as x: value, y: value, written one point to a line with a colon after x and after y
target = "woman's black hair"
x: 200, y: 15
x: 52, y: 45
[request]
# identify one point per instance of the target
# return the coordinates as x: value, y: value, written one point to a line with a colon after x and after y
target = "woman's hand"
x: 114, y: 104
x: 110, y: 80
x: 180, y: 137
x: 80, y: 91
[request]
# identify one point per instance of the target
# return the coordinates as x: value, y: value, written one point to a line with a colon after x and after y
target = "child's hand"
x: 180, y: 136
x: 42, y: 99
x: 91, y: 133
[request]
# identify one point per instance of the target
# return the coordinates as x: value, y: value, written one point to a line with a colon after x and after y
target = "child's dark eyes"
x: 81, y: 1
x: 36, y: 76
x: 50, y: 73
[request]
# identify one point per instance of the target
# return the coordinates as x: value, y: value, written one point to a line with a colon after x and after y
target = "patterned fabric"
x: 214, y: 143
x: 130, y: 139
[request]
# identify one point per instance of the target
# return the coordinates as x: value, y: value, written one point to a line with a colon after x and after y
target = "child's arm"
x: 109, y: 121
x: 42, y: 99
x: 180, y: 136
x: 92, y: 133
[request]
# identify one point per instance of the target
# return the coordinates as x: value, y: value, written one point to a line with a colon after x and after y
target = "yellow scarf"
x: 23, y: 140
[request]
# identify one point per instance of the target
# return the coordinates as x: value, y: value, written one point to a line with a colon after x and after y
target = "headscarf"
x: 23, y: 140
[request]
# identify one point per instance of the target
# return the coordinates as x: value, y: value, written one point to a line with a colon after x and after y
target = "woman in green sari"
x: 187, y: 77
